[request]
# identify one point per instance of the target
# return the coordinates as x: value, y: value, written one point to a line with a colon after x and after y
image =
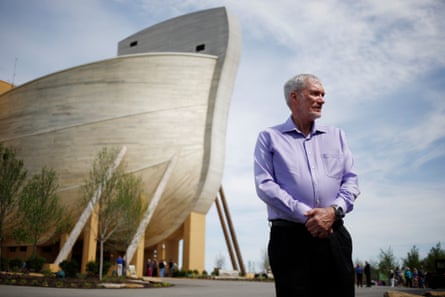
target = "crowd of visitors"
x: 161, y: 268
x: 414, y: 278
x: 359, y: 271
x: 152, y: 267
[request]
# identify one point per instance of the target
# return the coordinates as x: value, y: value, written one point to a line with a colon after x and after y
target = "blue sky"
x: 383, y: 67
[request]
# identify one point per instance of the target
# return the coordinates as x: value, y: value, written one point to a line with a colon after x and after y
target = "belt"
x: 285, y: 223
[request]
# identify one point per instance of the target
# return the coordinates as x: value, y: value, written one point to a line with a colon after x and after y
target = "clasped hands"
x: 319, y: 221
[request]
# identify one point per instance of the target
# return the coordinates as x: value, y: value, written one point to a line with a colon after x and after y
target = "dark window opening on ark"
x: 133, y: 43
x: 47, y: 249
x: 200, y: 48
x: 23, y: 248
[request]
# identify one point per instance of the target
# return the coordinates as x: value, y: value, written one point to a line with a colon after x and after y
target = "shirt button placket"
x: 313, y: 171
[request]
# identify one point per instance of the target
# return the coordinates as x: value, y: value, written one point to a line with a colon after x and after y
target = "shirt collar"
x: 289, y: 126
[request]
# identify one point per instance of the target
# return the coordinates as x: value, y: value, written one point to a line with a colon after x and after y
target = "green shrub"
x: 179, y: 273
x: 35, y: 263
x: 93, y: 268
x: 71, y: 268
x: 106, y: 267
x: 15, y: 264
x: 47, y: 272
x: 5, y: 263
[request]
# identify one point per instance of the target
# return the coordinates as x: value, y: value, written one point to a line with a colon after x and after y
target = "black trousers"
x: 304, y: 266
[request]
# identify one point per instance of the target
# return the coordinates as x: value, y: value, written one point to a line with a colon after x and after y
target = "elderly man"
x: 304, y: 173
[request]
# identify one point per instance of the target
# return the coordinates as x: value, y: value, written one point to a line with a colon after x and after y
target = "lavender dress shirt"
x: 294, y: 173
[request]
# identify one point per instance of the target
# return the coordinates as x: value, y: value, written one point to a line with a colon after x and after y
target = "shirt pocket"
x: 333, y: 164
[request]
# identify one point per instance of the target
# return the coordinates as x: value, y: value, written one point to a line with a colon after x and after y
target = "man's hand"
x: 320, y: 221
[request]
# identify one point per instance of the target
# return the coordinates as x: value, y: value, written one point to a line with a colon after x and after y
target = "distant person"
x: 359, y: 275
x: 162, y: 268
x: 149, y: 267
x: 170, y: 267
x: 304, y: 172
x: 155, y: 267
x: 398, y: 276
x: 367, y: 271
x: 124, y: 266
x: 392, y: 278
x: 415, y: 278
x: 408, y: 277
x: 119, y: 265
x: 421, y: 277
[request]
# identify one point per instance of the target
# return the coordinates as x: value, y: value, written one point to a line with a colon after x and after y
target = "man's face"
x: 307, y: 104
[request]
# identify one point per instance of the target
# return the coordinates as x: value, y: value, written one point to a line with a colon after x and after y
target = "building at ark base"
x: 164, y: 101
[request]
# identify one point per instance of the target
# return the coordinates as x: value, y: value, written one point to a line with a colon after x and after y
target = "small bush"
x: 35, y: 263
x: 71, y: 268
x: 179, y: 273
x: 93, y: 268
x: 5, y: 263
x: 15, y: 264
x: 47, y: 272
x: 106, y: 267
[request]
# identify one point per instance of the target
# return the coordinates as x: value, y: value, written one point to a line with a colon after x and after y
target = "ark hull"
x: 158, y: 100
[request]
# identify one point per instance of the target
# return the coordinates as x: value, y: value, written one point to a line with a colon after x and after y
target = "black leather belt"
x: 284, y: 223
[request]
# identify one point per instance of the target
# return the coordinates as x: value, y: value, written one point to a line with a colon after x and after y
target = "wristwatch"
x: 339, y: 213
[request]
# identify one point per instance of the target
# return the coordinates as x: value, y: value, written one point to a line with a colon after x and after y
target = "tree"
x: 220, y: 261
x: 129, y: 192
x: 119, y: 208
x: 265, y: 263
x: 39, y: 210
x: 12, y: 177
x: 387, y: 261
x: 435, y: 253
x: 412, y: 260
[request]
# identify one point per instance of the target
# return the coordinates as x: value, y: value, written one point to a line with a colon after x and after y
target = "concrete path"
x: 181, y: 288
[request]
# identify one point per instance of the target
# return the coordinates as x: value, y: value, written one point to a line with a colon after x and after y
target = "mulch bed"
x: 36, y: 280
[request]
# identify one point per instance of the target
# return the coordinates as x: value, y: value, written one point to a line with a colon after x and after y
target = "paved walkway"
x: 181, y: 288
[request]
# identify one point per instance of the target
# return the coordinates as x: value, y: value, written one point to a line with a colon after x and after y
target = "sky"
x: 382, y: 64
